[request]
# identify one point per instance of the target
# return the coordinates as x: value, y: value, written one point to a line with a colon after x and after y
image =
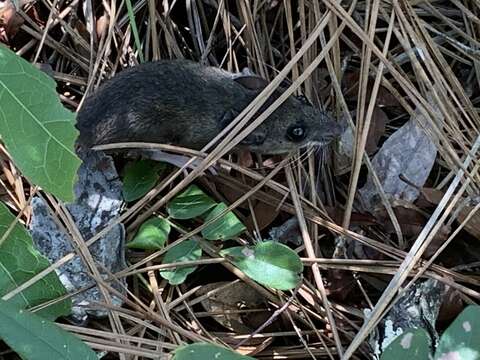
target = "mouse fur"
x: 183, y: 103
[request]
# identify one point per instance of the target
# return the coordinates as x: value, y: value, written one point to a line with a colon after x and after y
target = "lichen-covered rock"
x: 98, y: 200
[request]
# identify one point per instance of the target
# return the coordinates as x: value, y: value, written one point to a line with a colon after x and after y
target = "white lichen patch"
x: 452, y: 355
x: 248, y: 252
x: 413, y: 311
x: 390, y: 333
x: 406, y: 341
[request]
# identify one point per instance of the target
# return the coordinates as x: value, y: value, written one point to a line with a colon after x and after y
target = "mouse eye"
x: 296, y: 133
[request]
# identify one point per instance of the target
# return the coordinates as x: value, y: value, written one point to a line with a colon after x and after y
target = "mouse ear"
x: 251, y: 82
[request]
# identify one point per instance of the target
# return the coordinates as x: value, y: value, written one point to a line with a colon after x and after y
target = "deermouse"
x: 183, y: 103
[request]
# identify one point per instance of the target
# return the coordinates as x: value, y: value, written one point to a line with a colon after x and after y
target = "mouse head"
x: 293, y: 125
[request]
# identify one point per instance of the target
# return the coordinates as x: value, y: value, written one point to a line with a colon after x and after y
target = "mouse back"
x: 170, y: 101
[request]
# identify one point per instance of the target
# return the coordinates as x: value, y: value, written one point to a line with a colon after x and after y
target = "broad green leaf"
x: 461, y: 340
x: 204, y: 351
x: 152, y: 235
x: 269, y: 263
x: 187, y: 250
x: 190, y: 203
x: 140, y: 177
x: 412, y: 344
x: 38, y: 131
x: 227, y: 227
x: 35, y: 338
x: 19, y: 262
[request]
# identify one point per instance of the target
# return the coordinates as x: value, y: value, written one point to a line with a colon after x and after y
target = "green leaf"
x: 19, y: 262
x: 190, y: 203
x: 187, y: 250
x: 412, y: 344
x: 461, y: 340
x: 140, y: 177
x: 204, y: 351
x: 38, y: 131
x: 152, y: 235
x: 269, y: 263
x: 35, y: 338
x: 133, y: 26
x: 227, y: 227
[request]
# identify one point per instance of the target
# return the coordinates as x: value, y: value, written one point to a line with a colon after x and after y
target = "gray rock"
x: 99, y: 200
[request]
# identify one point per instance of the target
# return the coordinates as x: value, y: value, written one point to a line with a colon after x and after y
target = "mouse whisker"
x: 294, y: 160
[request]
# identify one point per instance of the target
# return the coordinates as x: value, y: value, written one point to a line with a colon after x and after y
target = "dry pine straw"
x: 423, y: 53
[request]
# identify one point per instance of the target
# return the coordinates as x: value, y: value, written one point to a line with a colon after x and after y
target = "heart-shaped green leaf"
x: 38, y: 131
x: 35, y: 338
x: 227, y: 227
x: 152, y: 235
x: 139, y: 178
x: 412, y: 344
x: 461, y: 340
x: 19, y: 262
x: 190, y: 203
x: 204, y: 351
x: 269, y: 263
x: 187, y: 250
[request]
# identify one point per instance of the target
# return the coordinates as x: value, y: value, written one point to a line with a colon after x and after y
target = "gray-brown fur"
x: 183, y: 103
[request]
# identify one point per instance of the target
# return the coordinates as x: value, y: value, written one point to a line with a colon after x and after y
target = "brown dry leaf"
x: 473, y: 225
x: 429, y: 197
x: 339, y: 284
x: 10, y: 21
x: 357, y: 219
x: 412, y: 222
x: 440, y: 237
x: 384, y: 97
x: 265, y: 214
x: 231, y: 194
x: 452, y: 306
x: 376, y: 130
x: 235, y: 297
